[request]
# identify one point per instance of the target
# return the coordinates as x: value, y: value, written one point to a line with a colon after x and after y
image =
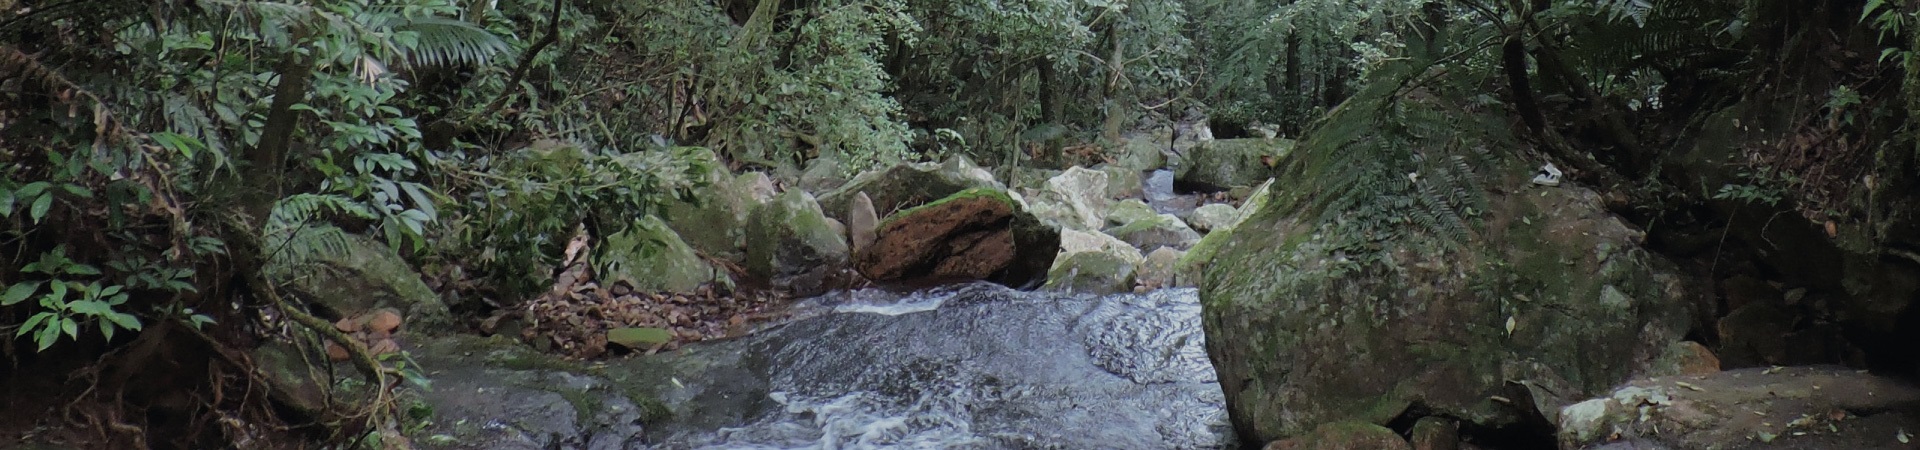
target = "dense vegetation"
x: 155, y: 156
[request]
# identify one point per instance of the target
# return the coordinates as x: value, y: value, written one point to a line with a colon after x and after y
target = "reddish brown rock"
x: 977, y: 234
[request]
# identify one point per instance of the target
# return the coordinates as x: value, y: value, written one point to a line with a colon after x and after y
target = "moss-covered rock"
x: 494, y: 393
x: 1552, y: 293
x: 1129, y: 211
x: 1159, y: 230
x: 1124, y: 182
x: 905, y: 186
x: 713, y: 222
x: 650, y: 256
x: 1348, y: 435
x: 1142, y: 152
x: 1213, y: 216
x: 791, y: 245
x: 1226, y: 163
x: 351, y: 273
x: 1092, y: 272
x: 976, y: 234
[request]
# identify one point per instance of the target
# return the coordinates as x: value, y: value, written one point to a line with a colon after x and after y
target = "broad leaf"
x: 19, y: 292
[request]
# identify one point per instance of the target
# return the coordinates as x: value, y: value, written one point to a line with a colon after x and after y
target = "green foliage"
x: 1278, y: 62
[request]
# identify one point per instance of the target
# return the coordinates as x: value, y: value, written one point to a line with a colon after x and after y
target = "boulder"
x: 651, y: 257
x: 1128, y: 211
x: 1098, y: 273
x: 1201, y: 254
x: 348, y: 274
x: 1145, y: 152
x: 495, y: 393
x: 1076, y: 199
x: 976, y: 234
x: 758, y: 187
x: 1350, y: 435
x: 1435, y: 433
x: 1213, y: 216
x: 792, y: 246
x: 862, y: 223
x: 823, y: 174
x: 712, y: 222
x: 1160, y: 230
x: 1784, y: 407
x: 905, y: 186
x: 1076, y: 241
x: 1225, y: 163
x: 1124, y: 182
x: 1553, y: 297
x: 1158, y: 271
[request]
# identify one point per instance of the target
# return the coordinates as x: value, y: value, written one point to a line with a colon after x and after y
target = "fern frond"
x: 298, y: 210
x: 446, y: 42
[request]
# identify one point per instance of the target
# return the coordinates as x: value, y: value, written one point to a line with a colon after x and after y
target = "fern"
x: 448, y: 42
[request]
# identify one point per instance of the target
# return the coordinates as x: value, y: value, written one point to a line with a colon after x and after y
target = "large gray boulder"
x: 347, y: 274
x: 792, y: 246
x: 905, y: 185
x: 1554, y: 296
x: 713, y: 221
x: 651, y: 257
x: 1076, y: 199
x: 1225, y: 163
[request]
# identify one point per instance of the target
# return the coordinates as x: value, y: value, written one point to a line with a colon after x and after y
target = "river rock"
x: 494, y: 393
x: 1159, y: 269
x: 823, y: 174
x: 1557, y: 297
x: 1144, y: 152
x: 758, y: 187
x: 1213, y: 216
x: 712, y: 222
x: 905, y: 186
x: 1077, y: 199
x: 1128, y: 211
x: 791, y: 245
x: 1160, y: 230
x: 1076, y: 241
x: 349, y: 274
x: 651, y: 257
x: 1198, y: 257
x: 1098, y: 273
x: 1124, y: 182
x: 977, y: 234
x: 1350, y: 435
x: 1225, y: 163
x: 1435, y: 433
x: 1821, y: 407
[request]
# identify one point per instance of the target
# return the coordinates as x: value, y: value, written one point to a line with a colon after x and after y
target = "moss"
x: 971, y: 193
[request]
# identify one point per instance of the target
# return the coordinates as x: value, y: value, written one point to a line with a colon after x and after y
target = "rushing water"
x: 968, y: 366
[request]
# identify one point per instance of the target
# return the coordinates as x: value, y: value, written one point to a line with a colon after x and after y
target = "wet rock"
x: 1092, y: 272
x: 1158, y: 271
x: 1075, y: 241
x: 712, y: 222
x: 1213, y: 216
x: 1225, y: 163
x: 1434, y: 433
x: 1788, y: 407
x: 1198, y: 257
x: 493, y: 393
x: 862, y: 222
x: 905, y: 186
x: 1074, y: 199
x: 977, y: 234
x: 1350, y: 435
x: 792, y: 247
x: 1128, y: 211
x: 1161, y: 230
x: 356, y: 273
x: 651, y: 257
x: 1303, y: 335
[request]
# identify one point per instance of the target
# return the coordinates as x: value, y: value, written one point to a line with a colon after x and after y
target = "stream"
x: 965, y: 366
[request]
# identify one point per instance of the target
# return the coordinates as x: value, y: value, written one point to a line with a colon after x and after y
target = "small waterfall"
x: 968, y: 366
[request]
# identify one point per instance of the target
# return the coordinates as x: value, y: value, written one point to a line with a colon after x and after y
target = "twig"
x: 526, y: 60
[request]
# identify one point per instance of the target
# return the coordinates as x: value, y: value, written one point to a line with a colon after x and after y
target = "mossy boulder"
x: 712, y: 223
x: 1129, y: 211
x: 1196, y: 259
x: 908, y: 185
x: 1152, y: 232
x: 1550, y: 294
x: 1213, y: 216
x: 1092, y: 272
x: 1225, y: 163
x: 1143, y: 152
x: 1124, y: 182
x: 1348, y: 435
x: 651, y: 257
x: 346, y: 274
x: 496, y: 393
x: 793, y: 247
x: 976, y: 234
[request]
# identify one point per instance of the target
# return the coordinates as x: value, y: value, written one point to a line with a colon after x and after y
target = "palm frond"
x: 446, y: 42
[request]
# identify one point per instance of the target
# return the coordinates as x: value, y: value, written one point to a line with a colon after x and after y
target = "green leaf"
x: 67, y: 325
x: 636, y: 338
x: 40, y: 207
x: 19, y: 292
x: 32, y: 189
x: 82, y: 269
x: 110, y: 290
x: 124, y: 320
x: 31, y: 321
x: 107, y: 329
x: 48, y: 334
x: 7, y: 198
x: 78, y: 190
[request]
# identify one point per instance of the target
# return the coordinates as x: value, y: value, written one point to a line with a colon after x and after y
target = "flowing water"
x: 966, y: 366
